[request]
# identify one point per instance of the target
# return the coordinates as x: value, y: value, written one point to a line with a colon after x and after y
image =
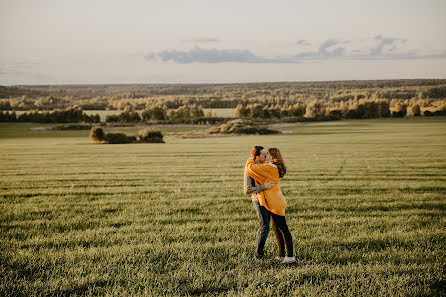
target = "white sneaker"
x: 289, y: 260
x: 278, y: 258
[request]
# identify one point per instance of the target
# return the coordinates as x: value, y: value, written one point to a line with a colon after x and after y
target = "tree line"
x: 315, y: 110
x: 69, y: 115
x: 116, y: 97
x: 275, y: 89
x: 352, y: 109
x: 128, y: 115
x: 158, y: 113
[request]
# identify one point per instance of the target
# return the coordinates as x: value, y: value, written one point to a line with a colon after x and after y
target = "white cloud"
x: 199, y: 55
x: 378, y: 47
x: 303, y: 42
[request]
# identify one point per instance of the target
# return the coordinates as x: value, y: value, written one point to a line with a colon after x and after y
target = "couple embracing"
x: 263, y: 172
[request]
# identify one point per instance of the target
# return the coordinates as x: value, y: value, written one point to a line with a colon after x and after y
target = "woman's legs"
x: 283, y: 228
x: 279, y: 239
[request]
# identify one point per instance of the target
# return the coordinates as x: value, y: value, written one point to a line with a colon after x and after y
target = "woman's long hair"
x: 278, y: 160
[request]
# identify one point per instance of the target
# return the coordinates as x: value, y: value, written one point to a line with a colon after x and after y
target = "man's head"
x: 258, y: 154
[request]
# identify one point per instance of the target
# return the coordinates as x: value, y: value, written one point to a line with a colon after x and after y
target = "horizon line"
x: 216, y: 83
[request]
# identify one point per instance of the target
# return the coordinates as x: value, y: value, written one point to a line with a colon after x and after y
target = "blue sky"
x: 69, y: 42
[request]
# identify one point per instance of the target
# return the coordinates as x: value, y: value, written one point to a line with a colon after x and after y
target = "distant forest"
x: 318, y: 100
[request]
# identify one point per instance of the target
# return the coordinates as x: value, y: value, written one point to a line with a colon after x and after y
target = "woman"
x: 273, y: 200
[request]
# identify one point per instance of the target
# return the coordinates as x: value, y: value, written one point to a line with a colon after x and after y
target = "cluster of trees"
x: 353, y: 109
x: 162, y: 112
x: 97, y: 135
x: 363, y: 109
x: 29, y: 103
x: 269, y: 111
x: 128, y: 115
x: 157, y: 113
x: 242, y: 127
x: 68, y: 115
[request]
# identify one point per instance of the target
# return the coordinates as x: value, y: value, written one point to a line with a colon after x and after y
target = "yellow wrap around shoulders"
x: 272, y: 199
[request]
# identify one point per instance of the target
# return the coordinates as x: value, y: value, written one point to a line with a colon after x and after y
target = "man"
x: 251, y: 187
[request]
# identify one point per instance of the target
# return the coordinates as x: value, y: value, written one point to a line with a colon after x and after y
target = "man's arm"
x: 249, y: 188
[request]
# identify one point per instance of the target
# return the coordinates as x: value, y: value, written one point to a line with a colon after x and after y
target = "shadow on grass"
x: 438, y: 288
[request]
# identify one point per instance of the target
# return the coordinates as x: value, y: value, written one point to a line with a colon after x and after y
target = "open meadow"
x: 366, y: 208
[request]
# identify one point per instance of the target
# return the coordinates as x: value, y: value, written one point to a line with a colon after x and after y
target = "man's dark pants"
x: 262, y: 234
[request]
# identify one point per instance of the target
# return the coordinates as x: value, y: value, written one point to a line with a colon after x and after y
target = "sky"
x: 207, y: 41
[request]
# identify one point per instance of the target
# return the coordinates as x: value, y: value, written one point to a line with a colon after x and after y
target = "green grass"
x: 25, y: 131
x: 367, y: 211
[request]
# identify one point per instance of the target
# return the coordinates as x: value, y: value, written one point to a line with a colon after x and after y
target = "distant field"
x: 223, y: 112
x: 34, y: 130
x: 367, y: 209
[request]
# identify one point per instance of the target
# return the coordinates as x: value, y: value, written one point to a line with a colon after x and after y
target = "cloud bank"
x: 375, y: 48
x: 199, y: 55
x: 328, y: 49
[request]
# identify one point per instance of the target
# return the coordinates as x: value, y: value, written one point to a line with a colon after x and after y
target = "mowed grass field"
x: 366, y: 208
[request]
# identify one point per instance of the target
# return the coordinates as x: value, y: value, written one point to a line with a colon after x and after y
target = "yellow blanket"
x: 271, y: 199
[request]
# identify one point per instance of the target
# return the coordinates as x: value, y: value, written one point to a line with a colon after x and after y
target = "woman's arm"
x: 257, y: 171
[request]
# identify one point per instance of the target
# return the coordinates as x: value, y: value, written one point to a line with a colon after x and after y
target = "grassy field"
x: 222, y: 112
x: 367, y: 210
